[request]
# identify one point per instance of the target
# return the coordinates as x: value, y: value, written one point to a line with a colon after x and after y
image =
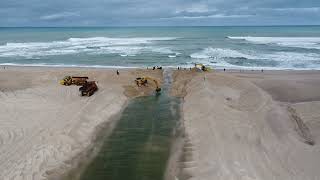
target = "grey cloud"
x: 155, y: 12
x: 194, y: 8
x: 58, y: 16
x: 310, y: 9
x: 214, y: 16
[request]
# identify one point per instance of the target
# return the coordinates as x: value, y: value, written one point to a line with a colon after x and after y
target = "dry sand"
x: 247, y: 125
x: 44, y: 125
x: 250, y: 125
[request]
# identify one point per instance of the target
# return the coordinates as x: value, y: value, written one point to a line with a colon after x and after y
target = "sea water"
x: 273, y: 47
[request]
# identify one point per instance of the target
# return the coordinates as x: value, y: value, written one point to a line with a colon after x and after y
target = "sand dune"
x: 236, y: 130
x: 43, y: 125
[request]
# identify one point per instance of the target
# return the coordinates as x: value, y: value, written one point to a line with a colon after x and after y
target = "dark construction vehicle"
x: 88, y: 88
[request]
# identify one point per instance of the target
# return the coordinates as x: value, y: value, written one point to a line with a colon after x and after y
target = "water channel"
x: 139, y: 146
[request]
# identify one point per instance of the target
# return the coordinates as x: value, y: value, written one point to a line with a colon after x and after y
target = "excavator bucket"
x: 61, y: 82
x: 144, y: 80
x: 75, y: 80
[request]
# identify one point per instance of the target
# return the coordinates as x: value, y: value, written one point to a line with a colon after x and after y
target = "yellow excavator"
x: 142, y: 81
x: 202, y: 67
x: 73, y: 80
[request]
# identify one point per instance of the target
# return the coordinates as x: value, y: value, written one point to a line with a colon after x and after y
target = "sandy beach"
x: 237, y: 125
x: 250, y: 125
x: 44, y: 125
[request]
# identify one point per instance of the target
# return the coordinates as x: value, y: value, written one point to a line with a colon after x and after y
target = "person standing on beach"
x: 118, y: 72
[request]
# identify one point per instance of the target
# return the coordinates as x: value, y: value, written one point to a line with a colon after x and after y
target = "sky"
x: 44, y: 13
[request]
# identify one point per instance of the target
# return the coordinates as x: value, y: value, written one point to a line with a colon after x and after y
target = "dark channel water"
x: 139, y: 147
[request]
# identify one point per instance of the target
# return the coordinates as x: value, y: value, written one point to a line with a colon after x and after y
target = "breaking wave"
x: 218, y: 53
x: 219, y: 57
x: 67, y: 65
x: 296, y: 42
x: 94, y: 45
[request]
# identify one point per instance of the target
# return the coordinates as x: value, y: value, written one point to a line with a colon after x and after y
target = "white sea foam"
x: 67, y: 65
x: 163, y: 50
x: 94, y: 45
x: 294, y: 59
x: 219, y: 57
x: 298, y: 42
x: 121, y: 50
x: 292, y: 56
x: 125, y: 51
x: 218, y: 53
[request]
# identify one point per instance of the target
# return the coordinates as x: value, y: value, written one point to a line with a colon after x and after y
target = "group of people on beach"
x: 179, y: 68
x: 160, y: 67
x: 155, y: 67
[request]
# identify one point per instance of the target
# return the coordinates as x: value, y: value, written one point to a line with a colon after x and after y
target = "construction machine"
x: 73, y: 80
x: 201, y: 67
x: 142, y: 81
x: 88, y: 88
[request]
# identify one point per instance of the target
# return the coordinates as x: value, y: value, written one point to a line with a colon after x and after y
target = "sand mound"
x: 235, y: 130
x: 44, y: 125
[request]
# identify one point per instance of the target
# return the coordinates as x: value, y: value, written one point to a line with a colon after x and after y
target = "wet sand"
x: 250, y: 125
x: 44, y: 125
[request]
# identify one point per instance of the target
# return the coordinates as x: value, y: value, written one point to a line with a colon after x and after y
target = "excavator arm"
x: 158, y: 89
x: 144, y: 80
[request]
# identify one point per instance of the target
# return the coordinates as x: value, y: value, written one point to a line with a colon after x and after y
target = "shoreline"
x: 220, y: 69
x: 93, y: 67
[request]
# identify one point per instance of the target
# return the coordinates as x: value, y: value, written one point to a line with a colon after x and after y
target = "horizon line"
x: 159, y: 26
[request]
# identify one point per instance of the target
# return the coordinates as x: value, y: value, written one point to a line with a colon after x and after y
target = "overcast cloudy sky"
x: 158, y: 12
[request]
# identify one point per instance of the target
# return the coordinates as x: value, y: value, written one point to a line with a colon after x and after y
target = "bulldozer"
x: 88, y: 88
x: 142, y: 81
x: 73, y: 80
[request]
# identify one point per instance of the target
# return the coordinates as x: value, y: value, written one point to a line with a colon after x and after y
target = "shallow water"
x: 139, y: 147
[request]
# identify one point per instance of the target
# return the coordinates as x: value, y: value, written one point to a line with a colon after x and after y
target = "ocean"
x: 272, y: 47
